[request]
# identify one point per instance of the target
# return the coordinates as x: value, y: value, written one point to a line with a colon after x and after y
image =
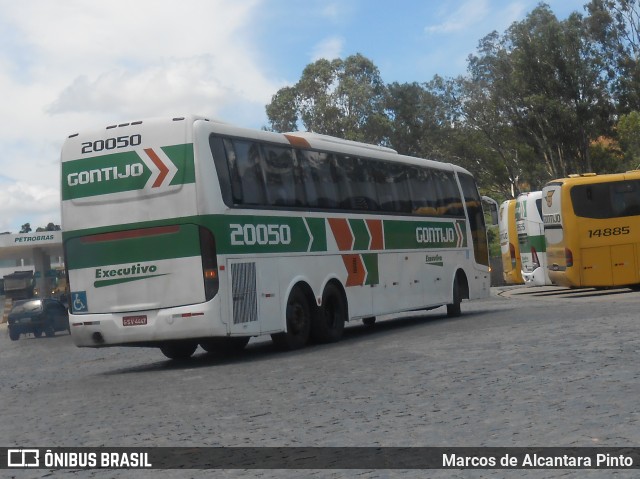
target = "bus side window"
x: 476, y: 218
x: 401, y: 187
x: 250, y: 172
x: 222, y: 168
x: 338, y: 174
x: 451, y: 195
x: 392, y: 187
x: 320, y: 190
x: 279, y: 175
x: 234, y: 173
x: 422, y: 194
x: 363, y: 191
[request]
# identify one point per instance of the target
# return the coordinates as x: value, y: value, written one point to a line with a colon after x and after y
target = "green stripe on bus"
x: 360, y: 234
x: 399, y: 234
x: 527, y: 242
x: 371, y: 263
x: 85, y: 252
x: 111, y: 282
x: 253, y: 234
x: 249, y: 234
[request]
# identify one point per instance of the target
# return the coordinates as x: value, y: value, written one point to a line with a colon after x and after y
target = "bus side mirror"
x: 493, y: 208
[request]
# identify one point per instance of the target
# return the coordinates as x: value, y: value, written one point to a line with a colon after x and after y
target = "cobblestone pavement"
x: 526, y: 367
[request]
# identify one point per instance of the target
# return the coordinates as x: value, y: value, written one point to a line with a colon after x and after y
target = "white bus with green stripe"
x: 184, y: 232
x: 531, y: 240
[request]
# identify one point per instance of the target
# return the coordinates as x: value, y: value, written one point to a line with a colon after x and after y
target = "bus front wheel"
x: 182, y: 349
x: 453, y: 309
x: 298, y: 316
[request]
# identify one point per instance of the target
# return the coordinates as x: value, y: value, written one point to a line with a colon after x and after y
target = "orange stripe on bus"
x: 377, y: 237
x: 297, y: 141
x: 342, y: 233
x: 164, y: 171
x: 356, y: 272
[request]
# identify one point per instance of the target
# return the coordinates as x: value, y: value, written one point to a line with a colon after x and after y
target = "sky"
x: 72, y: 65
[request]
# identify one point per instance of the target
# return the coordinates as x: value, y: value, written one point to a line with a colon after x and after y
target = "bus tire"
x: 298, y: 316
x: 328, y: 324
x: 224, y: 346
x: 182, y: 349
x: 453, y: 309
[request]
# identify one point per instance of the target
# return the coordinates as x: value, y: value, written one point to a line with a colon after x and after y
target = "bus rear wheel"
x: 328, y: 325
x: 298, y: 316
x: 182, y: 349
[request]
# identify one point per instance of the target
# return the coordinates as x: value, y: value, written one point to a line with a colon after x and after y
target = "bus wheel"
x: 179, y: 349
x: 298, y: 322
x: 453, y: 309
x: 328, y: 325
x: 224, y: 346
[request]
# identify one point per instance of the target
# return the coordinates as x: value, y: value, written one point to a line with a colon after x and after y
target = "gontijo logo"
x: 162, y: 171
x: 104, y: 174
x: 152, y: 169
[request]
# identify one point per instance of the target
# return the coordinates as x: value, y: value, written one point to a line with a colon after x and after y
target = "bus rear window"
x: 606, y: 200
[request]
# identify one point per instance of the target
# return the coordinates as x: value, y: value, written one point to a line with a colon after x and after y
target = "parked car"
x: 37, y: 316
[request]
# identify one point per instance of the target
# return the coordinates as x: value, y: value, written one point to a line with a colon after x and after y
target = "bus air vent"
x: 243, y: 289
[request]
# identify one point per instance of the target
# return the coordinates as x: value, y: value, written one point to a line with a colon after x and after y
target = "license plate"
x: 134, y: 320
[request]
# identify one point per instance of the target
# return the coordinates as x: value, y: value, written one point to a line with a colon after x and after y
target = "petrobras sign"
x: 31, y: 239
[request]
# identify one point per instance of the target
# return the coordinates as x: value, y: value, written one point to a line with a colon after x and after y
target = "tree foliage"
x: 539, y: 101
x: 344, y: 98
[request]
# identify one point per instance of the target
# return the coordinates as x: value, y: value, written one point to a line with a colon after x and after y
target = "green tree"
x: 545, y: 80
x: 26, y: 228
x: 49, y: 227
x: 417, y: 117
x: 343, y: 98
x: 629, y: 135
x: 614, y: 26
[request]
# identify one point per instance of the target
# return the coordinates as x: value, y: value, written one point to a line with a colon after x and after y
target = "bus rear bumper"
x: 146, y: 327
x: 537, y: 277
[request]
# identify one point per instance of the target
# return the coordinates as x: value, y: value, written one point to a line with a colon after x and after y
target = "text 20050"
x: 111, y: 143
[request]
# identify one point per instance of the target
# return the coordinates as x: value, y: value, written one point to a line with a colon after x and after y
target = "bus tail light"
x: 568, y: 255
x: 209, y: 263
x: 512, y: 252
x: 534, y: 257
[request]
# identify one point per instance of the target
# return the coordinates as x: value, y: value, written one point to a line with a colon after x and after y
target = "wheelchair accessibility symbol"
x: 79, y: 302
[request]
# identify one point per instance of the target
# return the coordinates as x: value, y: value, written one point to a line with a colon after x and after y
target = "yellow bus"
x: 509, y: 247
x: 592, y: 229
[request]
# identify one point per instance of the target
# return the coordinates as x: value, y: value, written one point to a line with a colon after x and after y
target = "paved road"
x: 526, y: 367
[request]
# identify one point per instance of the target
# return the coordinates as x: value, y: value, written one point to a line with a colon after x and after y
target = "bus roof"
x: 301, y: 139
x: 590, y: 178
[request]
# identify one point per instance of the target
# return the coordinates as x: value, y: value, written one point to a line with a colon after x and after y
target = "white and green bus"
x: 184, y: 232
x: 531, y: 241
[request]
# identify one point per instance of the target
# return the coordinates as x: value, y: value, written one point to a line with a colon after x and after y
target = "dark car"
x: 37, y: 316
